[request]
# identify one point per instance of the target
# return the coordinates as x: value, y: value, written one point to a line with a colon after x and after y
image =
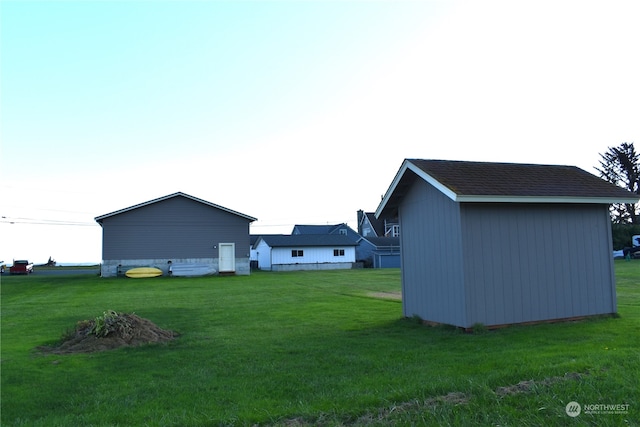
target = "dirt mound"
x: 107, y: 332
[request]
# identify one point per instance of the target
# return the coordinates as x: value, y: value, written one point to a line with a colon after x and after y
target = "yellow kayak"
x: 142, y: 272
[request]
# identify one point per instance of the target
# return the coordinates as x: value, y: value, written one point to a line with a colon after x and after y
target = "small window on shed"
x: 338, y: 252
x: 297, y: 253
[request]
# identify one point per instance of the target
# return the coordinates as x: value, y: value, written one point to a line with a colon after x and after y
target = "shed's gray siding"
x: 177, y: 227
x: 533, y: 262
x: 503, y: 243
x: 503, y: 263
x: 431, y: 246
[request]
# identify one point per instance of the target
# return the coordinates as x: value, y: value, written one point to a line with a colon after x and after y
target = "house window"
x: 297, y: 253
x: 338, y: 252
x: 342, y: 231
x: 393, y: 231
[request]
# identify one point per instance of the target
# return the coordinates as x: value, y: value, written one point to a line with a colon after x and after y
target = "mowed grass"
x: 305, y: 348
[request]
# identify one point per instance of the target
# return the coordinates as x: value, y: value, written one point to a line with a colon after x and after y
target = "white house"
x: 305, y: 252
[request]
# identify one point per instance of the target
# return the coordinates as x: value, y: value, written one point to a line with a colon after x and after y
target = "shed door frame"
x: 227, y: 257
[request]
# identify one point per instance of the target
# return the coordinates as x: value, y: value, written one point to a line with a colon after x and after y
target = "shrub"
x: 109, y: 322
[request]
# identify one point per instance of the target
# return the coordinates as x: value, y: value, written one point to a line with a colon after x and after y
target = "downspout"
x: 612, y: 273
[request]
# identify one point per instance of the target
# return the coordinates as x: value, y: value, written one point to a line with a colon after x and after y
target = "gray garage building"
x: 179, y: 228
x: 501, y: 243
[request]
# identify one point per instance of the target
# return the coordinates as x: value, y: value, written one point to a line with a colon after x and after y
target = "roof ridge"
x: 171, y: 196
x: 495, y: 182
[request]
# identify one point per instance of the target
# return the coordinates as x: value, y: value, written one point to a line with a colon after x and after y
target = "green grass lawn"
x: 305, y: 348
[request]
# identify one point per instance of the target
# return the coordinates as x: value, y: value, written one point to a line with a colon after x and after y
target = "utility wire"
x: 12, y: 220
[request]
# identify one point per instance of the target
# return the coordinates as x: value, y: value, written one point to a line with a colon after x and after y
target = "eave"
x: 401, y: 181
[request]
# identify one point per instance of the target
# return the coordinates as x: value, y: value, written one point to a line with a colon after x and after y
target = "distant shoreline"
x: 77, y: 264
x: 65, y: 265
x: 58, y: 264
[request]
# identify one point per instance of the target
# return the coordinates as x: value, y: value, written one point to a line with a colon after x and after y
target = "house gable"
x: 101, y: 218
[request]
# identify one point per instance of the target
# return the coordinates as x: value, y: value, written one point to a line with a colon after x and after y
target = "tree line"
x: 621, y: 166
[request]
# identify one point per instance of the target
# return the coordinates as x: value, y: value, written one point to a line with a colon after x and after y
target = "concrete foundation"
x: 115, y: 267
x: 316, y: 266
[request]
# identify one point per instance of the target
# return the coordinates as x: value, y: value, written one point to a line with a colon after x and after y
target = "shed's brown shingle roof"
x: 504, y: 182
x: 514, y: 179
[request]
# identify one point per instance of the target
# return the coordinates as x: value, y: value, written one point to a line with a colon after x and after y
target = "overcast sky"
x: 293, y: 112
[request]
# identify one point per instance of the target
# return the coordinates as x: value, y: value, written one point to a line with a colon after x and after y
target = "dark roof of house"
x: 312, y: 229
x: 307, y: 240
x: 504, y: 182
x: 317, y: 229
x: 253, y: 238
x: 170, y: 196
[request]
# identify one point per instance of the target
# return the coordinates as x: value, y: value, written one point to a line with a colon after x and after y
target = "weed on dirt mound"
x: 109, y: 331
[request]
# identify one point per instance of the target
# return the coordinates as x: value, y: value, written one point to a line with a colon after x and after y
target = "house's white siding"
x: 276, y: 258
x: 263, y: 255
x: 312, y: 255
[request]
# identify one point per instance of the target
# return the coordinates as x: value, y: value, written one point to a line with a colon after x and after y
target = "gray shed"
x: 502, y: 243
x: 179, y: 228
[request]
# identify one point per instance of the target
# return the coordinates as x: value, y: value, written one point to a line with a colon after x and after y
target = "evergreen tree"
x: 621, y: 166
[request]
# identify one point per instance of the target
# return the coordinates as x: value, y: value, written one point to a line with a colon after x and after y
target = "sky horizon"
x: 296, y: 112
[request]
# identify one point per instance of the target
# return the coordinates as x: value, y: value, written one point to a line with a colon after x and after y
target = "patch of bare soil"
x: 530, y: 385
x: 123, y: 330
x: 453, y: 398
x: 386, y: 295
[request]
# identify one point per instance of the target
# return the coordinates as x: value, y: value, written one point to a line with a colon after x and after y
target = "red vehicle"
x: 21, y: 267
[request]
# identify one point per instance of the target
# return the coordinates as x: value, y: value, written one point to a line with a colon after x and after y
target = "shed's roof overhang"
x: 531, y: 184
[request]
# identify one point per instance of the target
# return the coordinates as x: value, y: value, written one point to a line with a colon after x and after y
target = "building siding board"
x: 524, y: 253
x: 431, y: 264
x: 176, y: 227
x: 528, y: 262
x: 312, y: 255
